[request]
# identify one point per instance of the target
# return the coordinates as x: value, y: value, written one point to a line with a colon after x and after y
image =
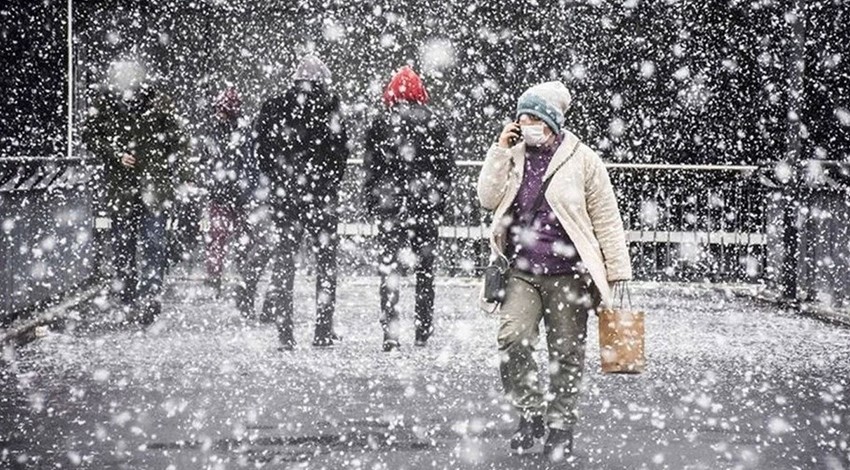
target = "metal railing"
x: 47, y: 242
x: 683, y: 222
x: 808, y: 260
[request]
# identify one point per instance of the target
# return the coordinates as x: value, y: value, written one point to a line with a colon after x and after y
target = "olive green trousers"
x: 563, y: 303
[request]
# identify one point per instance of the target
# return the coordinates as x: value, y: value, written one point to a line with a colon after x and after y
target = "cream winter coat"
x: 582, y: 198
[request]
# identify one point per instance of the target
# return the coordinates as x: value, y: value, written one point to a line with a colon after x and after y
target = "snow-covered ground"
x: 730, y: 384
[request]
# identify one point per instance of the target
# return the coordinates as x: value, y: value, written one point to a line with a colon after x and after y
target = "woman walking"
x: 557, y: 223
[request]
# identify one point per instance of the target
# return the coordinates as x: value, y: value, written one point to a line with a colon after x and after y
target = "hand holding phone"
x: 511, y: 135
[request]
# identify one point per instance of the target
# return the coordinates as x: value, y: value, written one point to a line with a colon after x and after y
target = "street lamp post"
x: 70, y: 83
x: 792, y: 191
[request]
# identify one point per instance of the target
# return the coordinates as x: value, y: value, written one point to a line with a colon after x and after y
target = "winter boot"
x: 287, y: 341
x: 390, y: 345
x: 244, y: 296
x: 324, y: 333
x: 529, y: 429
x: 559, y: 444
x: 391, y: 334
x: 323, y: 339
x: 271, y: 307
x: 422, y: 336
x: 150, y: 311
x: 214, y: 283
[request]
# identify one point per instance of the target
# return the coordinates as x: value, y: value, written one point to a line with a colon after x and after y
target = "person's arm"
x: 263, y: 128
x: 98, y: 137
x: 339, y: 150
x: 373, y: 165
x: 493, y: 179
x: 443, y: 165
x: 176, y: 144
x: 605, y: 218
x: 495, y: 173
x: 249, y: 161
x: 444, y: 159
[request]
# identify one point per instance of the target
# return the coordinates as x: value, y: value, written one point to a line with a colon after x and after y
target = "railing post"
x: 791, y: 243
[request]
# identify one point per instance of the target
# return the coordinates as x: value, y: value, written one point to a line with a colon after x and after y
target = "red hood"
x: 405, y: 86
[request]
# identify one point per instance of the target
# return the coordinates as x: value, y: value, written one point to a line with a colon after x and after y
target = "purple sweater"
x: 538, y: 243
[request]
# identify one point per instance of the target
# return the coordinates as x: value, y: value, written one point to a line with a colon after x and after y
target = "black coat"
x: 302, y: 147
x: 408, y: 164
x: 148, y: 127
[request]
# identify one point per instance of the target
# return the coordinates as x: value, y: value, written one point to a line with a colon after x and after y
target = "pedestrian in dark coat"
x: 302, y: 147
x: 133, y: 129
x: 231, y: 177
x: 408, y: 164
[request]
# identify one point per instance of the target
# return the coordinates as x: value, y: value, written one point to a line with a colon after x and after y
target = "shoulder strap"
x: 542, y: 194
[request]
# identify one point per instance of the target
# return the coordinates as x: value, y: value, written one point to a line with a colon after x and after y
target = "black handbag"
x: 496, y: 273
x: 495, y: 280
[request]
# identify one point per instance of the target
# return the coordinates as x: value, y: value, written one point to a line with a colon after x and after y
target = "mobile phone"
x: 517, y: 137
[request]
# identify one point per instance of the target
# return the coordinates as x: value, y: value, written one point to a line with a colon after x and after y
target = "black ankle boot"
x: 150, y: 311
x: 422, y: 336
x: 390, y: 343
x: 272, y: 307
x: 529, y: 429
x: 286, y: 342
x: 244, y: 297
x: 559, y: 444
x: 323, y: 339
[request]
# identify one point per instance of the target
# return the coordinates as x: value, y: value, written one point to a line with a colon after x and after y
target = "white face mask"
x: 534, y: 135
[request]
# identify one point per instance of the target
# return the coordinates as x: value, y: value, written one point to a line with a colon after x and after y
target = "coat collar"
x: 563, y: 152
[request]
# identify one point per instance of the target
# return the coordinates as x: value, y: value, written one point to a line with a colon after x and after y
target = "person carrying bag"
x: 555, y: 260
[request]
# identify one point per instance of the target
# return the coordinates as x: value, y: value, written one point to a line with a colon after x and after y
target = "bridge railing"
x: 808, y: 255
x: 47, y: 241
x: 683, y: 222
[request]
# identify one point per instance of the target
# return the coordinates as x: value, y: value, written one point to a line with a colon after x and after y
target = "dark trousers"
x: 138, y: 229
x: 319, y: 228
x: 422, y: 239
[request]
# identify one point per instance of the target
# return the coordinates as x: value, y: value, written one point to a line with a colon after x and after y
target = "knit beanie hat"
x: 405, y: 86
x: 548, y: 101
x: 313, y: 69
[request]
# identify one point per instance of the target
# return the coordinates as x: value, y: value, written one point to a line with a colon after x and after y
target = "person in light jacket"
x: 566, y: 256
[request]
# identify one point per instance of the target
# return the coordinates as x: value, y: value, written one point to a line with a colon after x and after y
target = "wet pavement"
x: 731, y: 384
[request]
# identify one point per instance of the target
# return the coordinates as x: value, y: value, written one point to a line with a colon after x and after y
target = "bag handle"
x: 622, y: 290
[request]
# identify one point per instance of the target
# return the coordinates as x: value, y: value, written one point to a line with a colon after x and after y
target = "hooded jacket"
x: 302, y: 145
x: 147, y: 127
x: 408, y: 159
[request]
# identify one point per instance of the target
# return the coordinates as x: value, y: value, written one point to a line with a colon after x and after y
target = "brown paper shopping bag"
x: 621, y: 340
